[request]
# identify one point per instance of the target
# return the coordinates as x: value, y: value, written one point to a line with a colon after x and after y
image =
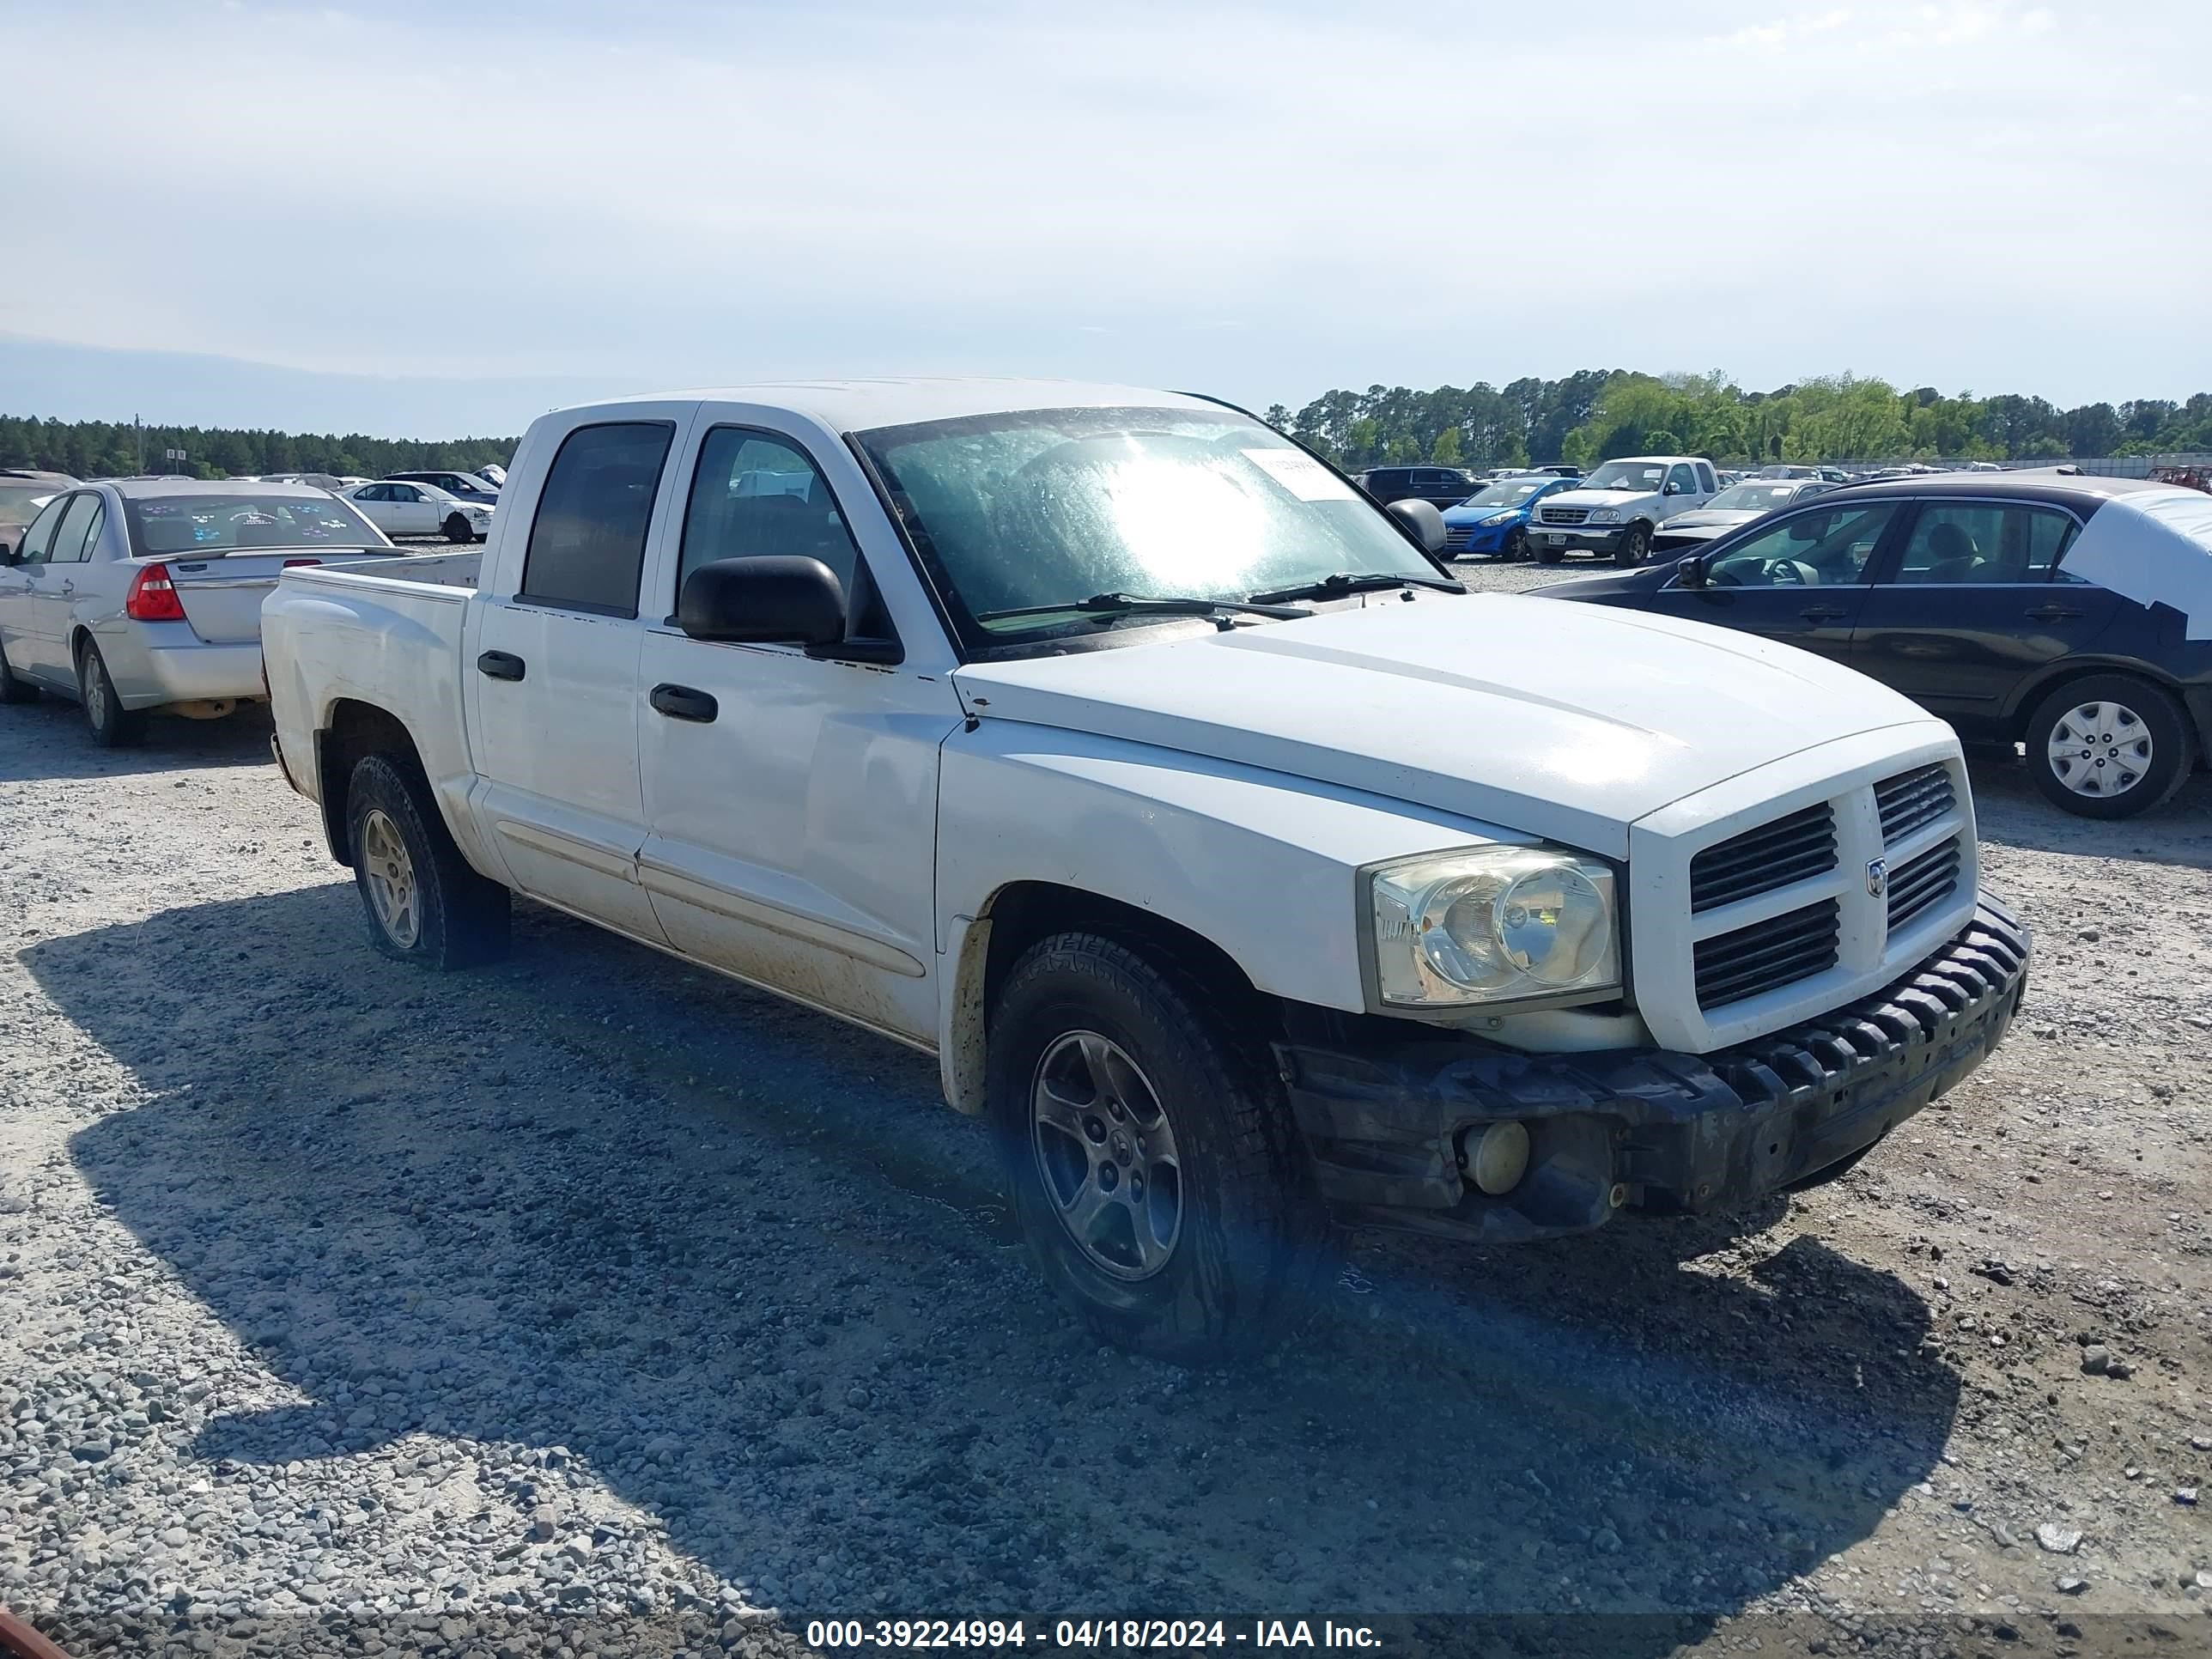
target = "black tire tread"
x: 124, y: 726
x: 2176, y: 748
x: 472, y: 923
x: 1260, y: 1152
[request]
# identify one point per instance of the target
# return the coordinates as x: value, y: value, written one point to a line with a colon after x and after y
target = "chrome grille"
x: 1778, y: 951
x: 1789, y: 849
x: 1922, y: 882
x: 1912, y: 800
x: 1564, y: 515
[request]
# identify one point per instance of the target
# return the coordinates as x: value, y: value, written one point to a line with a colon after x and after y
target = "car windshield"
x: 1626, y: 475
x: 1511, y: 493
x: 1752, y: 497
x: 220, y: 523
x: 19, y: 502
x: 1042, y: 507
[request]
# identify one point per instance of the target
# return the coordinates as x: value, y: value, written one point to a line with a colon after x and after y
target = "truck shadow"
x: 48, y: 740
x: 603, y: 1223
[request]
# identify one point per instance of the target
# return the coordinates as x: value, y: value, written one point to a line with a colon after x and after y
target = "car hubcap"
x: 2100, y: 750
x: 1106, y: 1154
x: 95, y: 694
x: 390, y: 875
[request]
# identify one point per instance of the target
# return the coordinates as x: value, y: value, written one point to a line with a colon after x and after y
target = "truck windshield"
x: 1036, y: 506
x: 223, y: 523
x: 1625, y: 475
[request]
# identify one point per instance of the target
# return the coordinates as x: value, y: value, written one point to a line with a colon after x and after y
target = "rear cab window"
x: 587, y: 549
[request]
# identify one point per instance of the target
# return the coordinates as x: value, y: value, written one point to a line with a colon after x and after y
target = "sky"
x: 427, y: 217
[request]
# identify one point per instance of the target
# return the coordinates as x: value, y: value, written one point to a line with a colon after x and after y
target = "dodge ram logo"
x: 1877, y: 877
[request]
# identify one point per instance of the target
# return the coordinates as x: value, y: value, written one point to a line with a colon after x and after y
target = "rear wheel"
x: 2109, y: 746
x: 13, y: 687
x: 112, y: 725
x: 457, y: 529
x: 423, y: 903
x: 1635, y: 545
x: 1153, y: 1164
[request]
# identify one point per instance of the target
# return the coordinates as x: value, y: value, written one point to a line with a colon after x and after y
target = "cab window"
x: 586, y: 550
x: 1822, y: 547
x: 754, y: 495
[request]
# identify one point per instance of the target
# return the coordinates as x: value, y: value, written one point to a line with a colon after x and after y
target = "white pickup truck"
x: 1615, y: 509
x: 1243, y: 871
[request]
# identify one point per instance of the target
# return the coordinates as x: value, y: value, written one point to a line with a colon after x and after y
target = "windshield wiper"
x: 1345, y: 581
x: 1139, y: 605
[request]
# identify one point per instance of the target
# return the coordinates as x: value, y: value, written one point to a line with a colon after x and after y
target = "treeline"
x: 101, y: 449
x: 1596, y: 415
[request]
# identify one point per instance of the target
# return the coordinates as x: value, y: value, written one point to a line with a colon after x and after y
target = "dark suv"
x: 1439, y: 486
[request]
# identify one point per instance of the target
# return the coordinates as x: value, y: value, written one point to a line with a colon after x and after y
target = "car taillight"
x: 153, y: 596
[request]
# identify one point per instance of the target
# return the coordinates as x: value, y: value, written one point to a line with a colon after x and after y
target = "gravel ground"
x: 593, y: 1304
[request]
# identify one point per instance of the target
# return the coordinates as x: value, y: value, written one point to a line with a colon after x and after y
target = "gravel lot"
x: 594, y: 1304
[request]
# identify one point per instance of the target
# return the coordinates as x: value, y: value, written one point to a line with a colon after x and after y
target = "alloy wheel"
x: 391, y: 870
x: 1106, y: 1151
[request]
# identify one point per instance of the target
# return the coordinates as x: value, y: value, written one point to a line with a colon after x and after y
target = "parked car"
x: 1737, y: 505
x: 1439, y: 486
x: 2071, y: 615
x: 493, y: 474
x: 1240, y: 880
x: 1559, y: 471
x: 1617, y: 508
x: 22, y: 493
x: 146, y: 593
x: 464, y: 486
x: 1495, y: 519
x: 420, y: 509
x: 329, y: 481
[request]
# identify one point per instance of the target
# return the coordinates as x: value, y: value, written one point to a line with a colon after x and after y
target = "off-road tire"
x: 13, y: 687
x: 1635, y: 545
x: 2172, y: 749
x: 463, y: 920
x: 457, y: 530
x: 1253, y: 1240
x: 111, y: 725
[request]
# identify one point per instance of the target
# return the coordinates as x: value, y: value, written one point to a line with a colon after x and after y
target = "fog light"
x: 1495, y: 1156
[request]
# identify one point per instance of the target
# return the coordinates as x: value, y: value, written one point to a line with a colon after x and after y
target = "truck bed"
x: 458, y: 571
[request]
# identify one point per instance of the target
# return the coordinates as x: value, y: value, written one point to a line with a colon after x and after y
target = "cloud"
x: 1410, y: 190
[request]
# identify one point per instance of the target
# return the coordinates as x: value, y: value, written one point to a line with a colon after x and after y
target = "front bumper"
x: 1648, y: 1129
x: 1576, y: 538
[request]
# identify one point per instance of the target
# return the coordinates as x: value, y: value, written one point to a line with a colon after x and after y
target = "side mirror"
x: 1690, y: 571
x: 1422, y: 522
x: 1672, y: 490
x: 784, y: 600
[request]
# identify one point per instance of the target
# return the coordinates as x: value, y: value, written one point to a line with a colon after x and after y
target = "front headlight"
x: 1493, y: 924
x: 1605, y: 515
x: 1496, y: 518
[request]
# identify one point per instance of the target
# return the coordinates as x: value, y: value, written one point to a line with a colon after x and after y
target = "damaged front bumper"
x: 1645, y: 1129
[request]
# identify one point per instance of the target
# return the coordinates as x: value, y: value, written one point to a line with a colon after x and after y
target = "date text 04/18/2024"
x: 1086, y: 1634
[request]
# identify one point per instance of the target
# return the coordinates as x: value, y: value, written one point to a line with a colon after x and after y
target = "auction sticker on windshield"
x: 1300, y: 473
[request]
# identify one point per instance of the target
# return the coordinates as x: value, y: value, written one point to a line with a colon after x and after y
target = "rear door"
x: 1799, y: 579
x: 550, y: 668
x: 1972, y: 604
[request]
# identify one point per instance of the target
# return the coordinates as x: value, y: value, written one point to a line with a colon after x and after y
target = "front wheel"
x: 424, y: 904
x: 1153, y: 1165
x: 1550, y: 554
x: 112, y: 725
x: 2109, y: 746
x: 1517, y: 546
x: 1635, y: 545
x: 457, y: 530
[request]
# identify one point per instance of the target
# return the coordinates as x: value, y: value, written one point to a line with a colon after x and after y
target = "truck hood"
x: 1623, y: 499
x: 1565, y: 721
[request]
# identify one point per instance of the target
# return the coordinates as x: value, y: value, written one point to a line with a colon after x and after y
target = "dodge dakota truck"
x: 1245, y: 874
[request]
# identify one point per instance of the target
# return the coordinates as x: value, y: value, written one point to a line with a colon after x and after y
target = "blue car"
x: 1495, y: 521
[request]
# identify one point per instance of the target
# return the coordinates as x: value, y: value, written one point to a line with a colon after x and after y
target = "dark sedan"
x: 2072, y: 614
x: 1439, y: 486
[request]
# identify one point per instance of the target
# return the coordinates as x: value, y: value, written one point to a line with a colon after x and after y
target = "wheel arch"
x: 1018, y: 915
x: 353, y: 730
x: 2034, y: 692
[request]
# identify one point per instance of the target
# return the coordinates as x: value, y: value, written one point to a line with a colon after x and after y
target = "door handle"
x: 1824, y: 613
x: 2052, y: 613
x: 69, y: 587
x: 501, y: 665
x: 681, y: 702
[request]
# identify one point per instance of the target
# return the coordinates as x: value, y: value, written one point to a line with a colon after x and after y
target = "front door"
x: 791, y: 800
x: 1800, y: 581
x: 1973, y: 605
x: 22, y: 587
x: 551, y: 672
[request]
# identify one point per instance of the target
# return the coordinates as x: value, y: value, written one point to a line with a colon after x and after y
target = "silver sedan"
x: 145, y: 593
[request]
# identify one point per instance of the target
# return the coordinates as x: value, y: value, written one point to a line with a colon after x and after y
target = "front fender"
x: 1263, y: 864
